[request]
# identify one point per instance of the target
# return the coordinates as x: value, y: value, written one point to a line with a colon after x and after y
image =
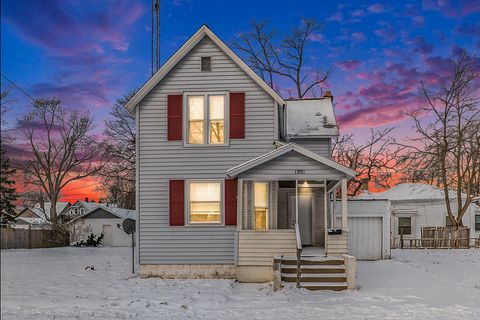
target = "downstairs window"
x: 204, y: 202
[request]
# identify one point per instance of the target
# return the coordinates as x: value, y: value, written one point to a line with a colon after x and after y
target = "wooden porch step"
x: 335, y: 286
x: 311, y: 261
x: 316, y: 278
x: 326, y: 269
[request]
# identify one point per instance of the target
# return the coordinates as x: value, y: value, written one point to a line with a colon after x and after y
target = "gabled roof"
x: 61, y: 206
x: 182, y: 52
x: 118, y: 212
x: 408, y: 191
x: 233, y: 172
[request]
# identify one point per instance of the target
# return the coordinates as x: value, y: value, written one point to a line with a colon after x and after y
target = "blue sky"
x: 90, y: 52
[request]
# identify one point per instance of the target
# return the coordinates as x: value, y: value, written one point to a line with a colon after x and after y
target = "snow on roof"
x: 60, y: 206
x: 119, y: 212
x: 123, y: 213
x: 406, y: 191
x: 309, y: 118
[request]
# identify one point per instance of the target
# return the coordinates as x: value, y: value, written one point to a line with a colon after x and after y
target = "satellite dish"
x: 128, y: 225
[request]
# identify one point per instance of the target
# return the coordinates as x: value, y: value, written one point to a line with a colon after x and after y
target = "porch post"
x: 296, y: 201
x: 325, y: 208
x: 344, y: 205
x: 334, y: 209
x: 239, y: 204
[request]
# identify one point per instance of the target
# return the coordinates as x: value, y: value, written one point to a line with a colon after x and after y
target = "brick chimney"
x: 86, y: 199
x: 328, y: 94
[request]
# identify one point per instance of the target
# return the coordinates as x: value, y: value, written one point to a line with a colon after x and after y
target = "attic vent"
x: 206, y: 65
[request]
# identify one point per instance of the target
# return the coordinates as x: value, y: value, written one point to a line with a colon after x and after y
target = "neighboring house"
x: 102, y: 219
x: 229, y: 174
x: 34, y: 218
x: 416, y: 205
x: 38, y: 217
x: 79, y: 208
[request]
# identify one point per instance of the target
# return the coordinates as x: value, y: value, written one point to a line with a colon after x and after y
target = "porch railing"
x: 299, y: 253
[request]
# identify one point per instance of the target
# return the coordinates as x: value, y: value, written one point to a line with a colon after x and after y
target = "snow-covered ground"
x: 53, y: 284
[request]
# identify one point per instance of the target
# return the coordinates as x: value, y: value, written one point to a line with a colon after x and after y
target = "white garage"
x: 103, y: 220
x: 369, y: 229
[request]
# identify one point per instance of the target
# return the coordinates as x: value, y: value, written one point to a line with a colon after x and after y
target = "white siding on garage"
x: 369, y: 228
x: 161, y: 160
x: 117, y: 237
x: 365, y: 238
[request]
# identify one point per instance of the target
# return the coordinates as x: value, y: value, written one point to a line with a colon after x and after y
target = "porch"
x: 285, y: 208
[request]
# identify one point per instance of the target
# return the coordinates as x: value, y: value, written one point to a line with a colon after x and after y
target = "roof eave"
x: 182, y: 52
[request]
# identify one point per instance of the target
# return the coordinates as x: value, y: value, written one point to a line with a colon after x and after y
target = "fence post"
x: 401, y: 238
x: 29, y: 237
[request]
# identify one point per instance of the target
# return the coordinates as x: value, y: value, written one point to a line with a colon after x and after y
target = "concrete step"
x: 336, y: 286
x: 341, y: 277
x: 314, y: 269
x: 313, y: 261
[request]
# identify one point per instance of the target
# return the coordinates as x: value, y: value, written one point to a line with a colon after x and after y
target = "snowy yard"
x: 53, y: 284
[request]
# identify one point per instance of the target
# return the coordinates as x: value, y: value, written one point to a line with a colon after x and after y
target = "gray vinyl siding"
x: 283, y: 168
x: 161, y: 160
x: 321, y: 146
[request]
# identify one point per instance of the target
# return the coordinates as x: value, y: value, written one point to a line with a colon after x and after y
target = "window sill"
x: 206, y: 146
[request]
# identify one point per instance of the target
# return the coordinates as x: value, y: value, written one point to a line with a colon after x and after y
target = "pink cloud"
x: 358, y: 36
x: 348, y: 65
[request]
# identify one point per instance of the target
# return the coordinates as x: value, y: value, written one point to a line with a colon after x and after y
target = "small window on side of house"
x: 477, y: 222
x: 206, y: 64
x: 405, y: 225
x: 448, y: 222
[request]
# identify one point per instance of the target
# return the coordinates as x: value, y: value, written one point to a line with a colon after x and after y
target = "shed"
x: 417, y: 205
x: 106, y: 220
x: 369, y: 229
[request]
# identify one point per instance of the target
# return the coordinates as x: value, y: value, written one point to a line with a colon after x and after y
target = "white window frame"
x: 268, y: 202
x: 187, y: 203
x: 206, y: 124
x: 412, y: 225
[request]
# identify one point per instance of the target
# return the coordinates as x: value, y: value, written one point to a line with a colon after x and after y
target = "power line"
x: 19, y: 88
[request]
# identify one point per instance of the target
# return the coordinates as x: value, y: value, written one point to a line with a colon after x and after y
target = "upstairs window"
x: 477, y: 222
x: 206, y: 119
x: 206, y: 64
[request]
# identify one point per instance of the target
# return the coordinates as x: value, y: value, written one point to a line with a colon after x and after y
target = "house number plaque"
x: 299, y: 171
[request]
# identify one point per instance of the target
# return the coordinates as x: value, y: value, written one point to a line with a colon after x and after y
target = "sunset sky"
x: 87, y: 53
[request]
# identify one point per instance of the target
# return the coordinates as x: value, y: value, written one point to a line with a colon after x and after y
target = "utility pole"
x: 155, y: 36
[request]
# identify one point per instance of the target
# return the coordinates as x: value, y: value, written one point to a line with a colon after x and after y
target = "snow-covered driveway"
x: 53, y: 284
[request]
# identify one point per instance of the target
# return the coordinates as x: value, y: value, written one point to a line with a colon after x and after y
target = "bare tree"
x: 448, y: 135
x: 63, y: 151
x: 257, y: 45
x: 119, y: 173
x: 374, y: 161
x: 286, y: 58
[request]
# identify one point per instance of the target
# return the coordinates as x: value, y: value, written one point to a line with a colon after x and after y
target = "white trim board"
x: 182, y: 52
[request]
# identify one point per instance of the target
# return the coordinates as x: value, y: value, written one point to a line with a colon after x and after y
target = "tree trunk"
x: 53, y: 211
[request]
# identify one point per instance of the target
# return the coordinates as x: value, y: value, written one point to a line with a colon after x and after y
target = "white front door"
x: 304, y: 216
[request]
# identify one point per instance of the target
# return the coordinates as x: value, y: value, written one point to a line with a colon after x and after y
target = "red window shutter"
x: 175, y: 117
x: 231, y: 202
x: 177, y: 202
x: 237, y: 115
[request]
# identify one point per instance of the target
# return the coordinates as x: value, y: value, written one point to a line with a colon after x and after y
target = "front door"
x: 304, y: 216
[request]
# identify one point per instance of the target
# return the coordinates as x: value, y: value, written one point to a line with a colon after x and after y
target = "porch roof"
x: 281, y: 158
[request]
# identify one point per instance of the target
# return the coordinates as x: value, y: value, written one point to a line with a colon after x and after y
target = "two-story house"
x: 233, y: 181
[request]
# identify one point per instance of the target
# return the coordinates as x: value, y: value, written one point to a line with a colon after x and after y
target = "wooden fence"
x: 442, y: 237
x: 31, y: 238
